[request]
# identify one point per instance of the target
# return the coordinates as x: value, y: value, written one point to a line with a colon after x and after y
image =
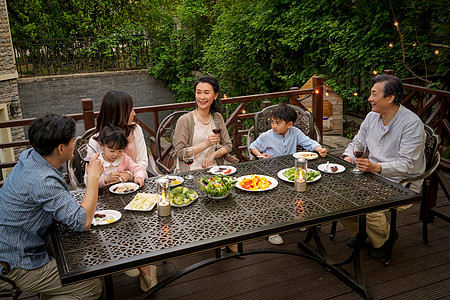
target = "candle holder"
x: 301, y: 169
x: 163, y: 190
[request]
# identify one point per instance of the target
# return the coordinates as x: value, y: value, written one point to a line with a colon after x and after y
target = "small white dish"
x: 306, y: 155
x: 327, y: 168
x: 110, y: 216
x: 224, y: 170
x: 273, y: 183
x: 118, y: 188
x: 173, y: 178
x: 282, y: 177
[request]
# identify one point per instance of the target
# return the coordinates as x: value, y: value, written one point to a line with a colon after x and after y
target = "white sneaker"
x: 276, y: 239
x: 132, y: 273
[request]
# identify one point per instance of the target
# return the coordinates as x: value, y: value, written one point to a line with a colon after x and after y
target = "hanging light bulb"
x: 375, y: 72
x: 391, y: 45
x: 395, y: 23
x: 243, y: 111
x: 414, y: 44
x: 327, y: 93
x: 317, y: 91
x: 225, y: 96
x: 436, y: 51
x: 355, y: 94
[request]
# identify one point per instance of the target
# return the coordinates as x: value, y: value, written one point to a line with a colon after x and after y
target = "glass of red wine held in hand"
x: 358, y: 151
x: 217, y: 131
x: 188, y: 158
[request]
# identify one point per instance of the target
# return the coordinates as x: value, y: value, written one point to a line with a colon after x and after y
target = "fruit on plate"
x: 182, y: 196
x: 254, y: 183
x: 217, y: 186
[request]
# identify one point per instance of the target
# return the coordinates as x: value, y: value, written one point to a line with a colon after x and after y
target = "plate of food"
x: 175, y: 180
x: 217, y: 187
x: 306, y: 155
x: 331, y: 168
x: 105, y: 217
x: 256, y: 183
x: 142, y: 202
x: 119, y: 188
x: 182, y: 196
x: 224, y: 170
x: 288, y: 175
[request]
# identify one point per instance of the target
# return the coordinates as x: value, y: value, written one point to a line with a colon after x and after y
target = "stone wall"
x: 62, y: 94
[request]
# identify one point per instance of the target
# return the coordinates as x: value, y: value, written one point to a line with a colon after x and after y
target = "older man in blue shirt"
x: 32, y: 198
x: 395, y: 139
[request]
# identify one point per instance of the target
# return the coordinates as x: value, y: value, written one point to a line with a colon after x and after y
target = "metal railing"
x: 81, y: 55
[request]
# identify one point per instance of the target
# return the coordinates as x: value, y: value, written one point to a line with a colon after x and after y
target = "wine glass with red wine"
x: 217, y: 131
x: 358, y: 151
x: 188, y: 158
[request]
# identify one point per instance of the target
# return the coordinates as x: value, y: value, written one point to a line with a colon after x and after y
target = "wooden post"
x: 88, y: 113
x: 317, y: 102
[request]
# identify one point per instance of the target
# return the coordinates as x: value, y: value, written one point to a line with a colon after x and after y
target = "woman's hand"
x: 212, y: 140
x: 208, y: 160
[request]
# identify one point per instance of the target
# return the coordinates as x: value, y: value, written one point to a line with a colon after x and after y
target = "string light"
x: 327, y: 93
x: 375, y: 72
x: 225, y: 96
x: 243, y: 111
x: 436, y: 51
x: 395, y: 23
x: 414, y: 44
x: 355, y: 94
x: 317, y: 91
x: 391, y: 45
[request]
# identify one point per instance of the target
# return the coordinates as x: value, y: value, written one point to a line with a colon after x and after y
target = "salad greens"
x: 182, y: 196
x: 217, y: 186
x: 290, y: 174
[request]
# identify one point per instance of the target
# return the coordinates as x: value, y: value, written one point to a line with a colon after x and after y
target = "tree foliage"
x: 258, y: 46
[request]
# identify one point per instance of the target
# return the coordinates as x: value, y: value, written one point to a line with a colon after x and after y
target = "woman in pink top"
x: 117, y: 164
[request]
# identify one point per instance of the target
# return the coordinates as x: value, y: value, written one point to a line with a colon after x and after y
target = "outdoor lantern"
x: 162, y: 190
x: 301, y: 166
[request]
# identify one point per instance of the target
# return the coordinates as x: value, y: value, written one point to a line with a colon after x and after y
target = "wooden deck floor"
x: 417, y: 271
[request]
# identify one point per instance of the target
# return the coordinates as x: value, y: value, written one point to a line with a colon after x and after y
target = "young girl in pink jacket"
x: 116, y: 163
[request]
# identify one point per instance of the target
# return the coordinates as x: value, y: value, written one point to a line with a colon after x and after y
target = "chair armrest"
x: 162, y: 167
x: 427, y: 173
x: 5, y: 267
x: 250, y: 139
x: 317, y: 135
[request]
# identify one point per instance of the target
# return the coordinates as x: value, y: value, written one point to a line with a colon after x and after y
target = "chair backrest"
x: 432, y: 143
x: 164, y: 142
x: 76, y: 165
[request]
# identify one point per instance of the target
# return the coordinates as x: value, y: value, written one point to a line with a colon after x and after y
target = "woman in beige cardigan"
x: 194, y: 129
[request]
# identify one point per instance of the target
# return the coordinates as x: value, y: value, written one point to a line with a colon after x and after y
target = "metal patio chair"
x: 76, y: 166
x: 14, y: 291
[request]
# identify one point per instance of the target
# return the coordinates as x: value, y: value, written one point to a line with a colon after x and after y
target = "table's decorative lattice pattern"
x: 140, y: 233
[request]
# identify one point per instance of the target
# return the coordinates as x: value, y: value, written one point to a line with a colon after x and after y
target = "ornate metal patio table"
x: 142, y: 238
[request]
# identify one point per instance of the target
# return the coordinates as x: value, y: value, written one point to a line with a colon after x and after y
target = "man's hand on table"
x: 366, y: 165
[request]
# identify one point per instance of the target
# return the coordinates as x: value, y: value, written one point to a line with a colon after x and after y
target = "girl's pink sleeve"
x: 137, y: 170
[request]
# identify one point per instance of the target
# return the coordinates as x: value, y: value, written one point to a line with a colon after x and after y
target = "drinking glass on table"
x: 358, y: 151
x: 217, y: 131
x: 188, y: 158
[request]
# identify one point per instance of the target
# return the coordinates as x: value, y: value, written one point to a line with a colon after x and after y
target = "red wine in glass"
x: 359, y: 154
x: 189, y: 161
x: 217, y: 130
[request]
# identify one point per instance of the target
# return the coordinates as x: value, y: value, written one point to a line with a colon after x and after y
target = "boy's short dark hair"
x: 285, y: 113
x: 50, y: 131
x: 113, y: 137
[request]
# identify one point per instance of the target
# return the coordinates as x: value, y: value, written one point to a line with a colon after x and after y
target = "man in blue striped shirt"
x: 32, y: 198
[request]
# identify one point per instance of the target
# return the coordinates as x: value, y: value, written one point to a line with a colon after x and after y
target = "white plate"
x: 282, y: 177
x: 273, y: 181
x: 116, y: 188
x: 129, y: 205
x: 173, y: 178
x: 222, y: 169
x: 323, y: 168
x: 111, y: 215
x: 306, y: 155
x: 176, y: 205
